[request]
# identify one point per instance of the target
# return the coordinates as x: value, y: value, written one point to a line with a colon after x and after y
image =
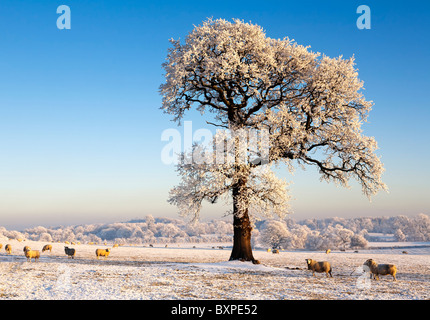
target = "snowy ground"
x: 185, y: 272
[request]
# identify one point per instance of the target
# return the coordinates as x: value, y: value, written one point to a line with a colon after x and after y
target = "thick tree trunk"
x: 242, y: 233
x: 242, y: 239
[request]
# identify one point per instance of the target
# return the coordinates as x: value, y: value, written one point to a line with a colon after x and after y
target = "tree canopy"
x: 309, y: 106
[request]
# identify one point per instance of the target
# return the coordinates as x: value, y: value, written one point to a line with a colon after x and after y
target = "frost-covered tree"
x: 310, y: 106
x: 314, y: 241
x: 45, y: 237
x: 419, y: 229
x: 399, y: 235
x: 357, y: 240
x: 273, y: 234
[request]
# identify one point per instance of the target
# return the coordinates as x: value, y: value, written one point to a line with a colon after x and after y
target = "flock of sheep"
x: 371, y: 266
x: 70, y: 252
x: 315, y: 266
x: 375, y: 269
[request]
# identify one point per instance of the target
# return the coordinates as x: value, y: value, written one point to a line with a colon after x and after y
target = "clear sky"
x: 80, y: 123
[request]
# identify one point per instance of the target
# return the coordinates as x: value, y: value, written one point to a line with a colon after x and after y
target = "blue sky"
x: 80, y: 124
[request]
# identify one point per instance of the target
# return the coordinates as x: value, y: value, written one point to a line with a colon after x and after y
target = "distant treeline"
x: 341, y: 233
x: 308, y: 234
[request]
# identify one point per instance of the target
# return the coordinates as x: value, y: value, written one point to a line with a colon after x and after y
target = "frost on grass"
x: 204, y: 273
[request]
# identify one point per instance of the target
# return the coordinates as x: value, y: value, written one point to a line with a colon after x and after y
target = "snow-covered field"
x: 184, y: 272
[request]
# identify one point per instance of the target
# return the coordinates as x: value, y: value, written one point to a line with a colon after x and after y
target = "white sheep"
x: 32, y: 254
x: 380, y: 269
x: 322, y: 266
x: 47, y: 247
x: 102, y: 253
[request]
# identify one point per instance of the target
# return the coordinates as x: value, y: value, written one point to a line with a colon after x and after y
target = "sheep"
x: 26, y: 248
x: 70, y: 252
x: 102, y: 253
x: 380, y: 269
x: 328, y: 251
x: 1, y: 245
x: 275, y: 251
x: 32, y: 254
x: 115, y: 245
x: 47, y: 247
x: 322, y: 266
x: 8, y: 249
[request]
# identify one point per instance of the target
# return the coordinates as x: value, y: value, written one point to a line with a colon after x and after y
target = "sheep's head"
x: 369, y: 262
x: 309, y: 262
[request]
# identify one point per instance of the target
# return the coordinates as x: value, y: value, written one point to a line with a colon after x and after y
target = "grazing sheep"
x: 328, y: 251
x: 102, y: 253
x: 115, y: 245
x: 70, y: 252
x: 32, y: 254
x: 380, y: 269
x: 8, y: 249
x: 322, y: 266
x: 47, y: 247
x: 275, y: 251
